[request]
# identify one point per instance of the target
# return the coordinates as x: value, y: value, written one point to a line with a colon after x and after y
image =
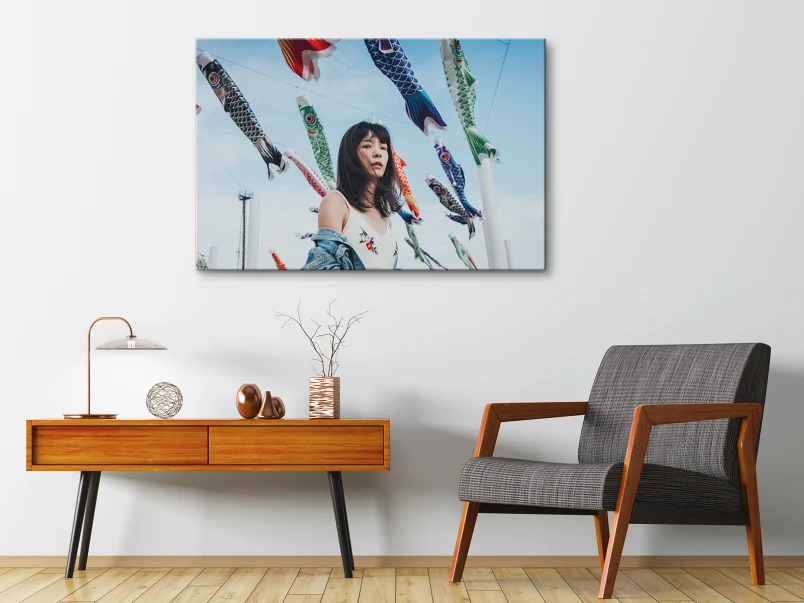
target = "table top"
x: 208, y: 444
x: 211, y: 421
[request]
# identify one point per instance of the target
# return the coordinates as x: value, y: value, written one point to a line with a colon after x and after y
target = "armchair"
x: 669, y: 436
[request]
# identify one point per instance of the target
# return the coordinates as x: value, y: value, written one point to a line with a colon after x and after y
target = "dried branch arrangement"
x: 328, y: 344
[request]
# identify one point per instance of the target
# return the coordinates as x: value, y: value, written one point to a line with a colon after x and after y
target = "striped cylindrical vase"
x: 325, y: 397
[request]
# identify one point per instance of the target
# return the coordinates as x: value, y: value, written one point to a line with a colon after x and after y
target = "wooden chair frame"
x: 645, y: 417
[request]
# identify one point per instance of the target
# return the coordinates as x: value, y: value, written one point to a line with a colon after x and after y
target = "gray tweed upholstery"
x: 666, y: 374
x: 689, y: 464
x: 593, y: 486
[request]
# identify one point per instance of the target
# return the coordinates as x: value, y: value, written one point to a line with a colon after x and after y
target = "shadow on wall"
x: 780, y: 470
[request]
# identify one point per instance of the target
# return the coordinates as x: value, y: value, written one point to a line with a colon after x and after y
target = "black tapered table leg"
x: 89, y: 518
x: 345, y: 520
x: 78, y: 520
x: 335, y: 486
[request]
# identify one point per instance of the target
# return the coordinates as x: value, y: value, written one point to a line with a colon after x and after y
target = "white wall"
x: 675, y: 205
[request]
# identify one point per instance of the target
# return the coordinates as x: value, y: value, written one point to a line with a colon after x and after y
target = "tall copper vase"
x: 325, y: 397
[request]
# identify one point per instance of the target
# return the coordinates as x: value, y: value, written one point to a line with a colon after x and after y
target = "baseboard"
x: 401, y: 561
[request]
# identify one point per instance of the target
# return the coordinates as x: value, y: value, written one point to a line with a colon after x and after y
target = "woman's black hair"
x: 352, y: 175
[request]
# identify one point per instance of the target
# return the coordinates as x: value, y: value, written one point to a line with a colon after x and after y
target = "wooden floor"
x: 389, y: 585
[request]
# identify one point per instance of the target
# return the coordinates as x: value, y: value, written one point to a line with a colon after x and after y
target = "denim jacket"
x: 332, y: 252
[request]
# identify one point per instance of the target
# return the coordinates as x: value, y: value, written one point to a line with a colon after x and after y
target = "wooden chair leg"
x: 632, y: 469
x: 748, y: 477
x: 465, y: 530
x: 602, y: 531
x: 614, y: 552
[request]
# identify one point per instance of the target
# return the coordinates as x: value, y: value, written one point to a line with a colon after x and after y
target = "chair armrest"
x: 663, y: 414
x: 501, y: 412
x: 648, y: 415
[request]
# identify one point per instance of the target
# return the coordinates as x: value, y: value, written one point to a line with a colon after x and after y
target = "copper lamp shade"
x: 131, y: 342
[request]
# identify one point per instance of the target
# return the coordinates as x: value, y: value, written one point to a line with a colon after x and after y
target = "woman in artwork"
x: 354, y: 221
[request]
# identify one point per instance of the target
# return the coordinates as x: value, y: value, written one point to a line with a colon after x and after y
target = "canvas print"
x: 370, y: 154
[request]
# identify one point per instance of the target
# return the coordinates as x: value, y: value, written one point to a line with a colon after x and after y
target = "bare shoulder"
x: 332, y: 212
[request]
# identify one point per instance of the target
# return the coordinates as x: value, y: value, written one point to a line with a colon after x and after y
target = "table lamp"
x: 131, y: 342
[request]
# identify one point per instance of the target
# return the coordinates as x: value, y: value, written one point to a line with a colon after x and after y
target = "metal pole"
x: 495, y: 247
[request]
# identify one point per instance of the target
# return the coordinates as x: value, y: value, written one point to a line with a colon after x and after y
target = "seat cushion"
x: 589, y: 486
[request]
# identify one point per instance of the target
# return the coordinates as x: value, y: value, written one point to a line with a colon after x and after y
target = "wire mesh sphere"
x: 163, y: 400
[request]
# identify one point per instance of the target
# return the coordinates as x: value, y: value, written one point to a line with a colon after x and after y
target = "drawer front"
x: 106, y: 445
x: 290, y: 445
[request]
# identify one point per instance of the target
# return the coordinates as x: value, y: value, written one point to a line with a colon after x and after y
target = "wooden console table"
x: 95, y: 445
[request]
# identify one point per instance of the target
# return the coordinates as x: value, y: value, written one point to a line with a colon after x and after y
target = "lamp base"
x: 90, y: 416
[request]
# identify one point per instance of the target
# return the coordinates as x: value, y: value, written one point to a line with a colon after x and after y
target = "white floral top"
x: 377, y: 251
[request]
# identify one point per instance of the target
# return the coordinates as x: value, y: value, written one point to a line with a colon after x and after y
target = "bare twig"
x: 329, y: 363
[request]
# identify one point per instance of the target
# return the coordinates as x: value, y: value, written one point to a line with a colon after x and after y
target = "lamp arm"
x: 89, y: 349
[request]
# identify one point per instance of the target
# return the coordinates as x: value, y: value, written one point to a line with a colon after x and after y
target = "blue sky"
x: 351, y: 89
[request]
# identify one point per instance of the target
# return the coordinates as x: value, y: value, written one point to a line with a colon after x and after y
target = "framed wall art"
x: 377, y: 153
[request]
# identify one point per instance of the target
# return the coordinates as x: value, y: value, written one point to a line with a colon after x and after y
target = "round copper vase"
x: 249, y: 400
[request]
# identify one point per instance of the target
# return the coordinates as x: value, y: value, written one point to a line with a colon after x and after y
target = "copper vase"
x: 248, y: 400
x: 325, y: 397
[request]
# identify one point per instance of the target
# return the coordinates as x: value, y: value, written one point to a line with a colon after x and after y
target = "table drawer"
x: 108, y: 445
x: 292, y: 445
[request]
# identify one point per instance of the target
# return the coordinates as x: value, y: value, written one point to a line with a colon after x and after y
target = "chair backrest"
x: 664, y: 374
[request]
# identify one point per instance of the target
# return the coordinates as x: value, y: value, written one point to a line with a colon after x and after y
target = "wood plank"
x: 695, y: 589
x: 337, y: 572
x: 213, y: 576
x: 196, y: 594
x: 625, y: 589
x: 781, y: 578
x: 102, y: 585
x: 577, y: 573
x: 655, y: 585
x: 171, y: 584
x: 132, y: 588
x: 443, y: 590
x: 96, y: 445
x: 487, y: 596
x: 480, y: 578
x: 587, y: 589
x: 516, y: 585
x: 17, y: 575
x: 4, y: 570
x: 307, y: 445
x: 342, y: 590
x: 796, y: 572
x: 551, y: 585
x: 274, y: 586
x: 311, y: 581
x: 56, y: 570
x: 725, y: 586
x: 411, y: 571
x: 64, y: 586
x: 413, y: 588
x: 379, y: 585
x: 30, y: 586
x: 240, y: 585
x: 796, y: 589
x: 157, y: 569
x: 669, y: 570
x: 303, y: 599
x: 771, y: 592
